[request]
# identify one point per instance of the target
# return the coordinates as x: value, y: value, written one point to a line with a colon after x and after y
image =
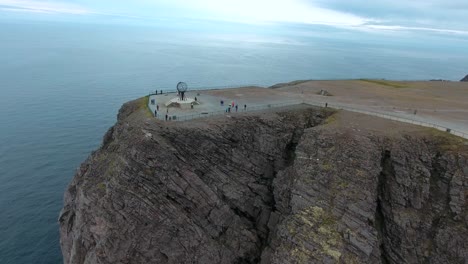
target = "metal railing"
x: 233, y: 111
x: 318, y: 104
x: 171, y: 90
x: 392, y: 117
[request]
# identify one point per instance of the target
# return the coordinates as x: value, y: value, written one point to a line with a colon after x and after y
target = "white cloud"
x: 407, y: 28
x: 380, y: 16
x: 419, y: 14
x: 22, y: 10
x: 307, y: 12
x: 293, y: 11
x: 43, y: 7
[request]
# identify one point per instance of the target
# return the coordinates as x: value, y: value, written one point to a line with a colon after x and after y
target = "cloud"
x: 292, y: 11
x: 408, y: 28
x: 43, y: 7
x: 436, y: 16
x: 416, y: 14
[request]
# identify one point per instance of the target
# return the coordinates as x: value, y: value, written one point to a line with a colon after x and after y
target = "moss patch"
x: 101, y: 186
x: 445, y: 140
x: 300, y: 255
x: 317, y: 226
x: 327, y: 166
x: 331, y: 119
x: 143, y: 105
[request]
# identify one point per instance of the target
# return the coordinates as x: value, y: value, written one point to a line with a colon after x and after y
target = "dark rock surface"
x: 464, y: 79
x: 273, y: 188
x: 281, y: 85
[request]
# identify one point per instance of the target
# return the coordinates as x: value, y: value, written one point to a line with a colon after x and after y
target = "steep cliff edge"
x: 298, y: 186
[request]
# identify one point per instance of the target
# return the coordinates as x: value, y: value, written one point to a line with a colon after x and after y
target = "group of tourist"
x: 232, y: 105
x: 156, y: 111
x: 229, y: 109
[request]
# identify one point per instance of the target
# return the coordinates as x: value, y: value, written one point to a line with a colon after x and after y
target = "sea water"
x: 61, y: 85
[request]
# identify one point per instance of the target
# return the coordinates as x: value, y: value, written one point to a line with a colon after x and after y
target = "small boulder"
x: 324, y: 93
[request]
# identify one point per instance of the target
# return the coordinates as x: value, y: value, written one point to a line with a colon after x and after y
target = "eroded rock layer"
x: 286, y: 187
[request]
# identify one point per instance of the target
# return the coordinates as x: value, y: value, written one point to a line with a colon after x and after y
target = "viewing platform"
x: 361, y: 96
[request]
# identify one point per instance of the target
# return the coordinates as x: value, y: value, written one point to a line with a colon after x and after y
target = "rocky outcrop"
x: 286, y: 187
x: 464, y: 79
x: 293, y: 83
x: 360, y: 199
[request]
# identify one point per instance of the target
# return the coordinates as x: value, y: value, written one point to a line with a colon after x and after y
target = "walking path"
x: 255, y: 99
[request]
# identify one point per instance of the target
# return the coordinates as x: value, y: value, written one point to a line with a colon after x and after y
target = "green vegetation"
x: 386, y: 83
x: 298, y: 82
x: 280, y: 85
x: 101, y: 186
x: 327, y: 166
x: 331, y: 119
x: 111, y: 164
x: 314, y: 224
x: 343, y: 185
x: 143, y: 104
x: 300, y: 254
x: 445, y: 140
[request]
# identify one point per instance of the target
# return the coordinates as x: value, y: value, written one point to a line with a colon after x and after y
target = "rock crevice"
x: 387, y: 169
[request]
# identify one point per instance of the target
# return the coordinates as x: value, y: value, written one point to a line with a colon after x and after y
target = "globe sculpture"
x: 182, y: 88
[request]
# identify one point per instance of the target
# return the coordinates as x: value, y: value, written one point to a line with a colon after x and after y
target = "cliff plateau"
x: 300, y: 185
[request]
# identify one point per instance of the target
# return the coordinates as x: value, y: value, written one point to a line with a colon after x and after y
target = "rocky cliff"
x: 464, y: 79
x: 304, y: 185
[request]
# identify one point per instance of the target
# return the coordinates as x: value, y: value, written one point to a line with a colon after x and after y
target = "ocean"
x: 61, y: 85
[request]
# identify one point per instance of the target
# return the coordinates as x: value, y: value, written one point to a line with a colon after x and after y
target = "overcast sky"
x: 438, y: 16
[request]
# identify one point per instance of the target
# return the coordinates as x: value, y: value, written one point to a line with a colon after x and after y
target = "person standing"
x: 245, y: 107
x: 166, y: 117
x: 157, y: 107
x: 155, y: 113
x: 237, y: 106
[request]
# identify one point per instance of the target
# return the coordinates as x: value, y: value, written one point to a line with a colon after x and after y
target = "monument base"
x: 186, y: 103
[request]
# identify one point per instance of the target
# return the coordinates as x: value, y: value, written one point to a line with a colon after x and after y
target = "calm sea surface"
x: 61, y: 86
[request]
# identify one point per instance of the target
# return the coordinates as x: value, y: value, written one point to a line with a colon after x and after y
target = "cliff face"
x: 290, y: 187
x: 464, y: 79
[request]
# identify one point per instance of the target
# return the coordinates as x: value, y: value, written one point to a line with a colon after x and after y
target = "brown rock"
x: 266, y: 188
